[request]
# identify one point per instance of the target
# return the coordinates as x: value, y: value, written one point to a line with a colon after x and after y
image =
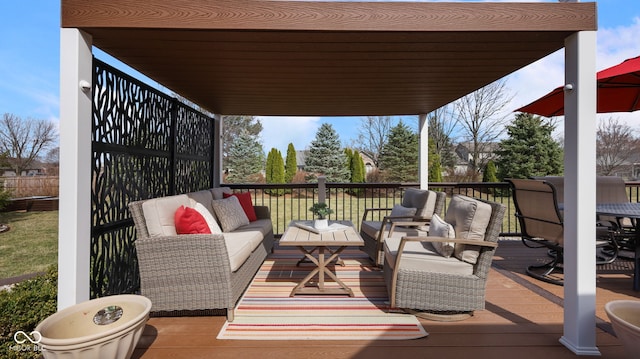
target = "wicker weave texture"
x: 192, y: 272
x: 432, y: 291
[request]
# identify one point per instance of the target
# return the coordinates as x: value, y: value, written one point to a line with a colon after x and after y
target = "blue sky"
x: 29, y: 68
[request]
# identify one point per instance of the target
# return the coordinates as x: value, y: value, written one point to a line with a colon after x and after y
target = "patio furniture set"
x: 199, y: 251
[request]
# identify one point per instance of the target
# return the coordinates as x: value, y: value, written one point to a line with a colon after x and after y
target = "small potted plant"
x: 321, y: 210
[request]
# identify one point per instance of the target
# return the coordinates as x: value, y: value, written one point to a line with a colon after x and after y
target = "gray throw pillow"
x: 230, y: 213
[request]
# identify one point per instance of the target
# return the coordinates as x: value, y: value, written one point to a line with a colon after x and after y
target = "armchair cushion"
x: 190, y: 221
x: 415, y: 198
x: 417, y: 256
x: 440, y: 228
x: 470, y: 218
x: 230, y: 213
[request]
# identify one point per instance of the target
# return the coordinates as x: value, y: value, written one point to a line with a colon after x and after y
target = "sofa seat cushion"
x: 238, y: 250
x: 253, y: 237
x: 159, y: 214
x: 264, y: 226
x: 423, y: 257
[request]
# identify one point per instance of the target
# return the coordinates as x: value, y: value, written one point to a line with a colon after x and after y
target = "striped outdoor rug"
x: 266, y: 312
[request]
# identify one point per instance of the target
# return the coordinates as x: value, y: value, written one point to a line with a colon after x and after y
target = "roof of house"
x: 256, y: 57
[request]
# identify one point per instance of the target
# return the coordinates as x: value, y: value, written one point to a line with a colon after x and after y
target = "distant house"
x: 464, y: 155
x: 301, y: 155
x: 36, y: 168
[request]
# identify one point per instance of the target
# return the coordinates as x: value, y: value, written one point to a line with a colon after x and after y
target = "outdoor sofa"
x: 199, y: 272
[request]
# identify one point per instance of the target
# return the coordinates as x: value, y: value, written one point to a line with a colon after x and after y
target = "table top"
x: 296, y: 236
x: 628, y: 209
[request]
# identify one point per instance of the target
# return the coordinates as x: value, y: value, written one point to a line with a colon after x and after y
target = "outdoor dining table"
x: 631, y: 211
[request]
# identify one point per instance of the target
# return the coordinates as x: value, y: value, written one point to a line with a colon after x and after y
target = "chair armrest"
x: 369, y: 210
x: 452, y: 240
x: 262, y: 212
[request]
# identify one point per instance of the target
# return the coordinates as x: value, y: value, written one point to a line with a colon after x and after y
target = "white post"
x: 423, y: 154
x: 74, y: 231
x: 579, y: 194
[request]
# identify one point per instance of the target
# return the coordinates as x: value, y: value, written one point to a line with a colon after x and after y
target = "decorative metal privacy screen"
x: 145, y: 144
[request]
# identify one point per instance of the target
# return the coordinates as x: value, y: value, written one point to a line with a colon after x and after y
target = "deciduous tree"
x: 615, y: 144
x: 481, y: 118
x: 23, y: 140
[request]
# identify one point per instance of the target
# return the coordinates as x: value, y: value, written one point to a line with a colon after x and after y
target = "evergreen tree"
x: 275, y: 170
x: 326, y: 156
x: 529, y: 150
x: 245, y: 159
x: 348, y: 154
x: 399, y: 157
x: 232, y: 128
x: 490, y: 175
x: 291, y: 165
x: 435, y: 169
x: 357, y: 168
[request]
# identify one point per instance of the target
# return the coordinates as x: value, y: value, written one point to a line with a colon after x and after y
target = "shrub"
x: 24, y: 306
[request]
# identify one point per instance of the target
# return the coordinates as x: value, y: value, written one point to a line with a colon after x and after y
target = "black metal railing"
x: 289, y: 202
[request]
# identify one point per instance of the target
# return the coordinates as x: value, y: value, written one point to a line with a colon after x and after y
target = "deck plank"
x: 522, y: 315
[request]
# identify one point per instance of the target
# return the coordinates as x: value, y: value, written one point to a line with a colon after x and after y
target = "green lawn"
x: 31, y: 245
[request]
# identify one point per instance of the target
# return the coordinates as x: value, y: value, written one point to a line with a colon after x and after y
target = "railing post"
x: 322, y: 189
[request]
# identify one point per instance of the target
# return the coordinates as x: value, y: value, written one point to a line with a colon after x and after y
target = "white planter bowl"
x: 625, y: 319
x: 321, y: 223
x: 73, y: 333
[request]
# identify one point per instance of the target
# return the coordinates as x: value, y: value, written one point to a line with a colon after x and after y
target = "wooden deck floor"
x: 523, y: 319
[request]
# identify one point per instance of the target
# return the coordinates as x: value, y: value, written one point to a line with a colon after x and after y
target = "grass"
x: 31, y: 244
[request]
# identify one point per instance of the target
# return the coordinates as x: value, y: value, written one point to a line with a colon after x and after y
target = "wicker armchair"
x: 426, y: 204
x: 438, y: 287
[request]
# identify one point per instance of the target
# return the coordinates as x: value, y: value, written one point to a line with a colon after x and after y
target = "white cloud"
x: 278, y: 132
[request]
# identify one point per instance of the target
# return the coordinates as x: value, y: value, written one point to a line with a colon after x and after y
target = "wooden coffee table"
x: 330, y: 243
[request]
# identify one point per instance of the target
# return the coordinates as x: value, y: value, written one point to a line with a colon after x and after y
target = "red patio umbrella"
x: 618, y: 91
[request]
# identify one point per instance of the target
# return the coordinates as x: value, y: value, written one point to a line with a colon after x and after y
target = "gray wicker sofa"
x: 196, y: 272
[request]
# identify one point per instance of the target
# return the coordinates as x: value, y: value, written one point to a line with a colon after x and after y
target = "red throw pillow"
x: 246, y: 203
x: 190, y: 221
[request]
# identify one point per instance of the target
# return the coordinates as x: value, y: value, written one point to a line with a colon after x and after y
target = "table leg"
x: 321, y: 269
x: 304, y: 259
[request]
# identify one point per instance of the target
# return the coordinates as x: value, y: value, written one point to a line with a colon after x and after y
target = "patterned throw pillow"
x: 190, y: 221
x: 440, y: 228
x: 246, y: 203
x: 230, y: 213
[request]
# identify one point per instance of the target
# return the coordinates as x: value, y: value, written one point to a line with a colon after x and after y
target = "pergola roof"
x: 254, y: 57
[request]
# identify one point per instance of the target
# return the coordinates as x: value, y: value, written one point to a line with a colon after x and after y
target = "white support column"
x: 74, y: 231
x: 579, y: 194
x: 423, y: 154
x: 217, y: 148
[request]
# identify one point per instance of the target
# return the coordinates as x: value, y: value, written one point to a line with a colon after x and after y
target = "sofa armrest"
x: 190, y: 263
x: 262, y: 212
x: 452, y: 240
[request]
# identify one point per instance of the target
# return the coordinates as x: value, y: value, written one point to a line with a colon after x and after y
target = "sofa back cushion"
x: 159, y: 214
x: 469, y: 218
